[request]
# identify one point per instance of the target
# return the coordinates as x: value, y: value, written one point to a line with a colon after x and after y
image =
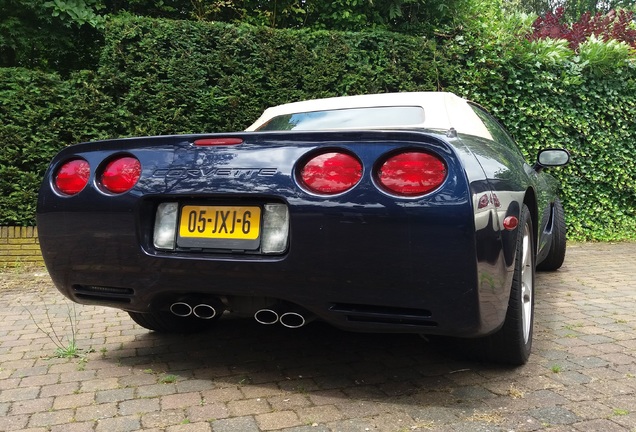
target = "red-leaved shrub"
x: 613, y: 25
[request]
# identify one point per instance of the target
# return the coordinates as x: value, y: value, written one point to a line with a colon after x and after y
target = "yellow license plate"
x: 220, y: 222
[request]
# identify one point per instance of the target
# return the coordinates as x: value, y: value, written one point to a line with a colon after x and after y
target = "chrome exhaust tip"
x: 181, y: 309
x: 204, y: 311
x: 292, y: 320
x: 266, y: 316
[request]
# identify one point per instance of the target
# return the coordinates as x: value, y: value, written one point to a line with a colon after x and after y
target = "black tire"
x: 554, y: 260
x: 512, y: 343
x: 166, y: 322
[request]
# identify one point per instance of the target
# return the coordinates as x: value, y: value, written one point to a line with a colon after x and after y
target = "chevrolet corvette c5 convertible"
x: 399, y: 212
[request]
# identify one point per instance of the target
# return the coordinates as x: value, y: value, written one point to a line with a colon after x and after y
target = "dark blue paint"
x: 362, y: 248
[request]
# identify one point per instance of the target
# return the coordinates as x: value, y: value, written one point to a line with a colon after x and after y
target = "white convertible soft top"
x: 442, y: 110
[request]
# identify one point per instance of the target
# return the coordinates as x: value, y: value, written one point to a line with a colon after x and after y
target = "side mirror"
x: 552, y: 158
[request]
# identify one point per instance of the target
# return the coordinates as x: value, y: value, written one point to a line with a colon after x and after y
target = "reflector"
x: 510, y: 223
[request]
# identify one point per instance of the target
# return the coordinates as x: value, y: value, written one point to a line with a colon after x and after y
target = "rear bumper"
x: 360, y: 271
x: 361, y: 260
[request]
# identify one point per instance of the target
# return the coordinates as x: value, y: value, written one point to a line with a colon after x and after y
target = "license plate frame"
x: 219, y: 226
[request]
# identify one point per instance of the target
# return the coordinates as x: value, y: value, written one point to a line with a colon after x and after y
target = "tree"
x: 410, y: 16
x: 64, y: 35
x: 573, y: 8
x: 173, y: 9
x: 54, y: 35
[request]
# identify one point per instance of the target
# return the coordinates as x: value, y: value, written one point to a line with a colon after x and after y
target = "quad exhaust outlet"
x: 200, y: 308
x: 208, y: 308
x: 290, y: 319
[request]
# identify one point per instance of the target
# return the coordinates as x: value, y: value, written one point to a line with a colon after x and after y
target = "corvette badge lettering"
x: 214, y: 172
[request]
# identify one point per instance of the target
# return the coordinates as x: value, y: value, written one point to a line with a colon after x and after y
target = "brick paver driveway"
x: 246, y: 377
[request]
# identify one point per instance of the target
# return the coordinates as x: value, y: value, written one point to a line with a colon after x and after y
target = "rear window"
x: 350, y: 118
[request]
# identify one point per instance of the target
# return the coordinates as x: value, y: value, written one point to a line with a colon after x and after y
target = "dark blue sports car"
x: 406, y: 212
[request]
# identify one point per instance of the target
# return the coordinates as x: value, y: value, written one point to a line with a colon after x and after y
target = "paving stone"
x: 619, y: 358
x: 207, y: 412
x: 554, y: 415
x: 626, y: 420
x: 327, y: 397
x: 73, y: 401
x: 114, y: 395
x: 472, y: 392
x: 191, y: 427
x: 14, y: 422
x: 139, y: 406
x: 77, y: 376
x: 590, y: 409
x: 243, y: 424
x: 577, y: 393
x: 31, y: 406
x: 59, y: 389
x: 571, y: 377
x: 98, y: 384
x: 4, y: 408
x: 194, y: 385
x: 599, y: 426
x: 181, y: 400
x: 433, y: 414
x: 248, y: 407
x: 472, y: 426
x: 40, y: 380
x: 288, y: 401
x: 155, y: 390
x: 277, y: 420
x: 544, y: 398
x: 310, y: 428
x: 162, y: 419
x: 589, y: 361
x: 118, y: 424
x: 19, y: 394
x: 96, y: 412
x: 320, y: 414
x: 51, y: 418
x: 611, y: 387
x: 254, y: 391
x: 222, y: 394
x: 352, y: 425
x: 74, y: 427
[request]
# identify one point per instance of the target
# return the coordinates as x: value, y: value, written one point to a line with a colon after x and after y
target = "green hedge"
x: 184, y: 76
x: 39, y: 114
x: 589, y: 111
x: 161, y: 77
x: 594, y: 119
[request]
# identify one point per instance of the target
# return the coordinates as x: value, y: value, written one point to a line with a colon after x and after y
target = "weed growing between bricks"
x: 68, y: 348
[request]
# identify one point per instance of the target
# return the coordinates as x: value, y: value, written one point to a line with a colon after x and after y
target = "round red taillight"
x: 331, y: 173
x: 121, y: 174
x: 72, y: 176
x: 412, y: 173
